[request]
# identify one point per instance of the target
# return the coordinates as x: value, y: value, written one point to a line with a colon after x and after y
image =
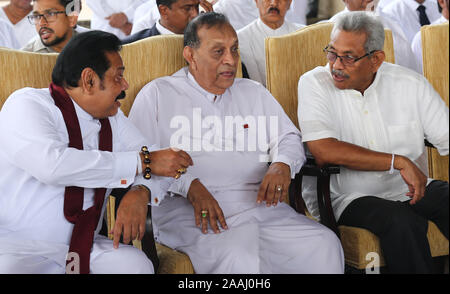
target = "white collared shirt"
x: 7, y: 36
x: 402, y: 49
x: 397, y: 112
x: 252, y: 46
x: 104, y: 8
x: 416, y: 45
x: 24, y: 30
x: 176, y: 111
x: 406, y: 14
x: 37, y: 165
x: 162, y: 30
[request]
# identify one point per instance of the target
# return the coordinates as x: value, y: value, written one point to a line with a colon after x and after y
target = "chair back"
x: 435, y: 47
x: 24, y: 69
x: 290, y: 56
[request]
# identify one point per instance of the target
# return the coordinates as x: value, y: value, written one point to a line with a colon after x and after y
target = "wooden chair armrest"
x: 310, y: 168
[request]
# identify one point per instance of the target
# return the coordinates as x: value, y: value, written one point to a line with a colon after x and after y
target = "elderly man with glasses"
x: 371, y: 118
x: 56, y: 24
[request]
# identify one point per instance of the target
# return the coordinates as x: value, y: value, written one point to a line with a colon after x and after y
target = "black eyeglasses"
x: 49, y: 16
x: 345, y: 59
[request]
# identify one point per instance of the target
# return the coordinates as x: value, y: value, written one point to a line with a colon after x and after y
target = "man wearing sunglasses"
x: 371, y: 118
x: 55, y: 22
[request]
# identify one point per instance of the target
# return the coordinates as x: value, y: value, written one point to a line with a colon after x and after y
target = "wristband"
x: 391, y: 170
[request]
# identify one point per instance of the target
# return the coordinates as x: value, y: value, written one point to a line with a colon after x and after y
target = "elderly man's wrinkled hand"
x: 275, y: 185
x: 206, y: 208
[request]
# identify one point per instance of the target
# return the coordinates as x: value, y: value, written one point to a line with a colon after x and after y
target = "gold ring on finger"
x: 182, y: 170
x: 279, y: 188
x: 177, y: 176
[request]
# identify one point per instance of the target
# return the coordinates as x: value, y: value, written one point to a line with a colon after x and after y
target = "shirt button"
x: 366, y: 112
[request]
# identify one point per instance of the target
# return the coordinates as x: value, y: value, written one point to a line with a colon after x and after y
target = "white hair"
x: 361, y: 22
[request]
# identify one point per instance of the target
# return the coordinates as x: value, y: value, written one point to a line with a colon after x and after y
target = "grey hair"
x: 361, y: 22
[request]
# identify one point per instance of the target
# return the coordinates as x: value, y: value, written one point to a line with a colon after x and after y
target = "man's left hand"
x: 131, y: 216
x: 275, y: 185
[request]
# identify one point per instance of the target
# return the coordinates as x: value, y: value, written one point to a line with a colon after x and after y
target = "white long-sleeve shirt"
x: 36, y: 165
x: 252, y: 46
x: 405, y: 13
x: 416, y: 45
x: 218, y: 131
x: 145, y: 16
x: 396, y: 113
x: 104, y: 8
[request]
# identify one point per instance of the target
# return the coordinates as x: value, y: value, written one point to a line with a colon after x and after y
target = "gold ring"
x: 279, y: 188
x: 177, y: 176
x: 204, y: 213
x: 182, y: 170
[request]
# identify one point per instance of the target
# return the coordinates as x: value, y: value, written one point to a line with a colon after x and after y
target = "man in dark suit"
x: 175, y: 15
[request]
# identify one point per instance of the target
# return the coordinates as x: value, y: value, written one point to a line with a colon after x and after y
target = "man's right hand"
x: 413, y: 177
x: 203, y: 201
x: 167, y: 162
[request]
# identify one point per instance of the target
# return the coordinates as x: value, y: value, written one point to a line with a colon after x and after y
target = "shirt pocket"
x: 406, y: 139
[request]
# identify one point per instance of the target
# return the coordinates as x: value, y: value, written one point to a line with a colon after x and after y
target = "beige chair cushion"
x: 358, y: 242
x: 172, y: 261
x: 435, y: 44
x: 24, y: 69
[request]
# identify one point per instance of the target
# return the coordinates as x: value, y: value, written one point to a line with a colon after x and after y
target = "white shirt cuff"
x: 182, y: 185
x: 124, y: 169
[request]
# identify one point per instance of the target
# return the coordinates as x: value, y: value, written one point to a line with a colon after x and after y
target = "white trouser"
x: 104, y: 258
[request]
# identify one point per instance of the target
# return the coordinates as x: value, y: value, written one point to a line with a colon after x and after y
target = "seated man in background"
x: 15, y: 13
x: 113, y: 16
x: 417, y: 41
x: 243, y: 12
x: 175, y: 15
x: 371, y: 118
x: 230, y: 186
x: 55, y: 22
x: 412, y: 14
x: 61, y: 151
x: 402, y: 48
x: 271, y: 22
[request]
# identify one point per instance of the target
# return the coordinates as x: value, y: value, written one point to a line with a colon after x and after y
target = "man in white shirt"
x: 114, y: 16
x: 7, y: 37
x: 416, y: 45
x: 402, y: 48
x: 271, y: 22
x: 62, y: 150
x: 15, y: 13
x: 371, y: 118
x: 242, y: 12
x: 55, y: 22
x: 227, y: 212
x: 174, y: 17
x: 412, y: 14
